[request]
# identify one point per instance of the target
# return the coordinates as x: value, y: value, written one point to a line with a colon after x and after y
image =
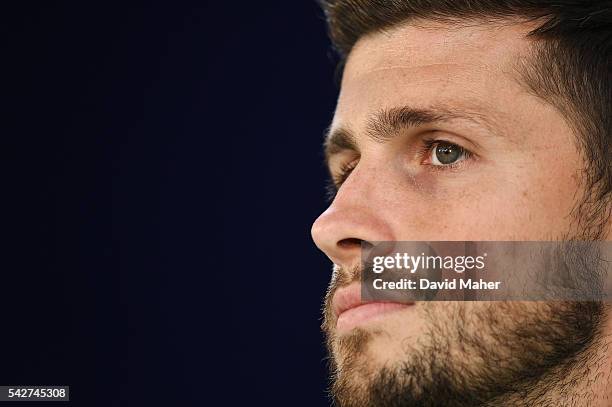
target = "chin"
x: 380, y: 343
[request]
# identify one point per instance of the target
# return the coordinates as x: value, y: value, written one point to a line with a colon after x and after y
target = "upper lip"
x: 346, y: 298
x: 349, y: 297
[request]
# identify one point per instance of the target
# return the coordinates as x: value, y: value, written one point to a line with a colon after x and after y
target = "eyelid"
x: 434, y: 144
x: 343, y: 173
x: 427, y: 150
x: 338, y: 177
x: 452, y: 138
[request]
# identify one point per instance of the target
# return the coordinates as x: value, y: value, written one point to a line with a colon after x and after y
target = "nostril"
x: 349, y: 243
x: 365, y: 245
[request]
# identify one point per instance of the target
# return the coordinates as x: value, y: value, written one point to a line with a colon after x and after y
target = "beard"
x: 467, y: 354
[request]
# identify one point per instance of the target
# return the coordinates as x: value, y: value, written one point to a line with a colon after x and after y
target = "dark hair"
x: 570, y: 67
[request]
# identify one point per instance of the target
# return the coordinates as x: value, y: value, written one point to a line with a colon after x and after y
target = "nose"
x: 353, y: 217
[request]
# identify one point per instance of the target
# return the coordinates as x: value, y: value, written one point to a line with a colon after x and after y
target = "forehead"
x: 474, y: 67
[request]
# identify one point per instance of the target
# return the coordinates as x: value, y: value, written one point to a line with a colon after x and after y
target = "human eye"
x: 443, y: 154
x: 339, y: 176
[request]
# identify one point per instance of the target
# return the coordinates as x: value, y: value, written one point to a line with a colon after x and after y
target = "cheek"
x: 523, y: 207
x: 537, y: 202
x: 425, y: 185
x: 432, y: 210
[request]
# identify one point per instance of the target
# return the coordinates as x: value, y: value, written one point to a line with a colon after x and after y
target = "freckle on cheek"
x: 428, y: 186
x: 423, y: 183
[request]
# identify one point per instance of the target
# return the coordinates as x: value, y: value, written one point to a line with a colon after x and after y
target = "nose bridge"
x: 357, y: 214
x: 370, y: 186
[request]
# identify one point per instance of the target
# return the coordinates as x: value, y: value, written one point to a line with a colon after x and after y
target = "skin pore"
x: 413, y: 98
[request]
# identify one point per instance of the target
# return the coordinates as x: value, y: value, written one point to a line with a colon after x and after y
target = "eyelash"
x: 338, y: 179
x: 428, y: 146
x: 425, y: 151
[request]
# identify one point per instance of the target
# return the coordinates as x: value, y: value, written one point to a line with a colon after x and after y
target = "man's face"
x: 435, y: 138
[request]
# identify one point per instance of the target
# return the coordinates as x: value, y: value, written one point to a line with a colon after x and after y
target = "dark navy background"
x: 161, y: 168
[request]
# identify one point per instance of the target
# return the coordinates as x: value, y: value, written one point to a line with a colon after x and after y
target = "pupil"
x: 447, y: 153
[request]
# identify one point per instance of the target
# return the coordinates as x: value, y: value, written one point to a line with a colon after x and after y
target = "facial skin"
x: 407, y: 92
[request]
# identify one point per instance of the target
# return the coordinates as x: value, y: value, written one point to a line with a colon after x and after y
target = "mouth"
x: 351, y: 312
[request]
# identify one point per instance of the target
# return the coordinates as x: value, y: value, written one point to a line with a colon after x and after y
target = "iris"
x: 448, y: 153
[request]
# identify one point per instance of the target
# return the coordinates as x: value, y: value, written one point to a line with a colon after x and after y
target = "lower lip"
x: 353, y: 317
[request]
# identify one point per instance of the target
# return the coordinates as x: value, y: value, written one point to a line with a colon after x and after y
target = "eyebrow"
x: 387, y: 123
